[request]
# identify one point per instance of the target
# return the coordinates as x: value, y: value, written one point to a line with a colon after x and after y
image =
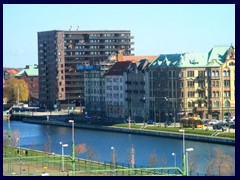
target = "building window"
x: 216, y: 104
x: 109, y: 87
x: 115, y: 88
x: 201, y: 73
x: 226, y: 104
x: 190, y: 94
x: 228, y: 73
x: 226, y: 93
x: 169, y: 73
x: 190, y: 74
x: 226, y: 83
x: 190, y: 84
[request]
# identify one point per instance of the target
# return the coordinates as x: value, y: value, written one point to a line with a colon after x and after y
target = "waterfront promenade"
x: 61, y: 119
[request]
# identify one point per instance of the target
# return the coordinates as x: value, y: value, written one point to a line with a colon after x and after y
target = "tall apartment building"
x: 60, y: 53
x: 194, y: 84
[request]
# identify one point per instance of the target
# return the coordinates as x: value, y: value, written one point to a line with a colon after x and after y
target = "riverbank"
x: 167, y: 134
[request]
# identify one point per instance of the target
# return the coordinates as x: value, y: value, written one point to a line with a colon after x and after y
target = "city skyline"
x: 157, y: 28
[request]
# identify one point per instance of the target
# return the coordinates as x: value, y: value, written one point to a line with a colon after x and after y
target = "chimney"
x: 27, y: 67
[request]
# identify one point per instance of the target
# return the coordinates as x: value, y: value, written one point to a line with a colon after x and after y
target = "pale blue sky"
x: 157, y: 28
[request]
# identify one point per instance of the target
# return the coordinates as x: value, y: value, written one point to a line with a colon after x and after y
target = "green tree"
x: 11, y: 90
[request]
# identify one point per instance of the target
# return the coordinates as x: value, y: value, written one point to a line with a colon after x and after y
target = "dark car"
x: 218, y: 126
x: 168, y: 123
x: 129, y: 121
x: 150, y: 121
x: 231, y: 125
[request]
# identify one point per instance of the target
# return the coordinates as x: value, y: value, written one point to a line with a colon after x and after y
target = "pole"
x: 68, y: 107
x: 73, y: 149
x: 184, y: 152
x: 132, y: 156
x: 62, y: 159
x: 175, y: 161
x: 18, y: 96
x: 9, y: 132
x: 187, y: 163
x: 187, y: 167
x: 113, y: 157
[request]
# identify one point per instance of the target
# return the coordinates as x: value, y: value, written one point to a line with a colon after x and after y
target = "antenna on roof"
x: 78, y: 28
x: 70, y: 27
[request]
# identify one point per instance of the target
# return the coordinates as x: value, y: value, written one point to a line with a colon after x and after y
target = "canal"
x: 37, y: 136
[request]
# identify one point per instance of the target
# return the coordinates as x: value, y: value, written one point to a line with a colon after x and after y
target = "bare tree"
x: 192, y: 164
x: 210, y: 162
x: 80, y: 148
x: 48, y: 143
x: 163, y: 160
x: 14, y: 137
x: 221, y: 164
x: 153, y: 159
x: 90, y: 152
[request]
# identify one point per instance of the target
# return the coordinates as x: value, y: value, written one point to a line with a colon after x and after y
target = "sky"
x: 157, y: 28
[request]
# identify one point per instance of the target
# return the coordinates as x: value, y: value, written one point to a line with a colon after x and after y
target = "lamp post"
x: 73, y: 149
x: 9, y: 132
x: 113, y: 157
x: 175, y: 161
x: 184, y: 152
x: 18, y: 140
x: 188, y: 150
x: 63, y: 146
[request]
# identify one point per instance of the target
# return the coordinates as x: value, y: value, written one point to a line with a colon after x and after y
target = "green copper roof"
x: 214, y: 58
x: 31, y: 71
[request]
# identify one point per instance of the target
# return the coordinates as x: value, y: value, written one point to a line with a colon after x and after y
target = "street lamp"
x: 18, y: 140
x: 113, y: 157
x: 9, y: 132
x: 175, y: 161
x: 188, y: 150
x: 63, y: 146
x: 184, y: 152
x: 73, y: 149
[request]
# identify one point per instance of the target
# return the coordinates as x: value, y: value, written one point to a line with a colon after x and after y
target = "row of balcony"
x: 98, y: 37
x: 134, y: 91
x: 135, y: 82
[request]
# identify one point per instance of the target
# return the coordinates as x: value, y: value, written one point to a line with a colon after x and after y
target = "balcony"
x: 200, y: 89
x: 128, y: 82
x: 215, y: 77
x: 201, y: 78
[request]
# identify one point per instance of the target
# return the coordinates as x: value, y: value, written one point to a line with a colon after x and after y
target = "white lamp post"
x: 188, y: 150
x: 63, y: 146
x: 73, y: 148
x: 18, y: 140
x: 184, y: 152
x: 113, y: 156
x: 175, y: 161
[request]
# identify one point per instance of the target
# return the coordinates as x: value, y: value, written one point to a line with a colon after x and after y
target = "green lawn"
x: 195, y: 131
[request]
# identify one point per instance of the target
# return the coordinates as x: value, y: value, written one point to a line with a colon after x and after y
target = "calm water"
x: 36, y: 135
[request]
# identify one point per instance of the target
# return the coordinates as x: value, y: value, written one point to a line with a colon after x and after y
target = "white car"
x: 212, y: 122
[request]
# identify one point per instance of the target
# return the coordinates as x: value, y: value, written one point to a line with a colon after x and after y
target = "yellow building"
x: 194, y: 84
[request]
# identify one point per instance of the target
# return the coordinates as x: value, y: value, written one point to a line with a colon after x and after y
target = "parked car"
x: 129, y: 121
x: 168, y: 123
x: 212, y: 122
x: 231, y: 124
x: 150, y: 121
x: 219, y: 125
